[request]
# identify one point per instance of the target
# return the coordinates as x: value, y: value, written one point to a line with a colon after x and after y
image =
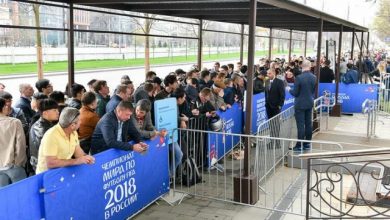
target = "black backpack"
x: 190, y: 174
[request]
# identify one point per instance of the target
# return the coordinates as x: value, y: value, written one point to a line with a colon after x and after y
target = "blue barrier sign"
x: 219, y: 144
x: 117, y: 186
x: 22, y: 200
x: 165, y: 117
x: 351, y: 96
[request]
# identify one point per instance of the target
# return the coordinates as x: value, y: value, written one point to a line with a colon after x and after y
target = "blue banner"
x: 117, y: 186
x: 288, y: 101
x: 165, y: 117
x: 22, y: 200
x: 351, y: 96
x: 219, y: 144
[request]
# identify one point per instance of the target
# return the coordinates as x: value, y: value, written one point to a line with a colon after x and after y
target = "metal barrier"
x: 322, y: 105
x: 369, y: 107
x: 384, y: 94
x: 282, y: 185
x: 367, y: 176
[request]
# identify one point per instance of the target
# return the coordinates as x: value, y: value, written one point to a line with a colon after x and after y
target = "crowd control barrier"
x: 351, y: 96
x: 117, y: 186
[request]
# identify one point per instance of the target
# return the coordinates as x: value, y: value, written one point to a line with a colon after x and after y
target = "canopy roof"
x: 270, y: 13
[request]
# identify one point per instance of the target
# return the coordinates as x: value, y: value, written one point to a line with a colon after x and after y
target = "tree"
x: 146, y: 27
x: 382, y: 20
x: 38, y: 41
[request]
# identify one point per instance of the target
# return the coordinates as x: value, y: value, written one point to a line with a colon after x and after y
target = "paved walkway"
x: 349, y: 130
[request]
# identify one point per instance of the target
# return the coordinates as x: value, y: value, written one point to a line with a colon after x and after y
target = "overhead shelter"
x: 273, y: 14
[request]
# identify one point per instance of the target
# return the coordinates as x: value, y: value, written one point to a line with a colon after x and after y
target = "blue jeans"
x: 11, y: 175
x: 178, y: 156
x: 304, y: 125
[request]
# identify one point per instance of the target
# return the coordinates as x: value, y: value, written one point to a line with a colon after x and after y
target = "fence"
x: 369, y: 107
x: 384, y: 94
x: 276, y: 182
x: 348, y: 185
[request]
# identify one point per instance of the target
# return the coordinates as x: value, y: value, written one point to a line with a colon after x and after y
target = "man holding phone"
x: 115, y: 130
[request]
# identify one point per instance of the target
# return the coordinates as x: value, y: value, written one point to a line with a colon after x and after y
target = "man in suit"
x: 303, y: 91
x: 274, y: 101
x: 113, y: 130
x: 274, y: 94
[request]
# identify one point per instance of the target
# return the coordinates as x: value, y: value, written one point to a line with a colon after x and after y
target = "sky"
x: 361, y: 12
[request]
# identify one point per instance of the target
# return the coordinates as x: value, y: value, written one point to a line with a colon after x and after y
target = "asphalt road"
x: 112, y: 76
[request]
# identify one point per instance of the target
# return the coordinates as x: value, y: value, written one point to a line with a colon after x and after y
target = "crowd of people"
x: 47, y: 128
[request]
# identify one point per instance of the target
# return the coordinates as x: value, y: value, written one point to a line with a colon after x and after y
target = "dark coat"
x: 74, y: 103
x: 258, y: 86
x: 113, y: 103
x: 25, y: 104
x: 105, y: 135
x: 38, y: 129
x: 275, y: 94
x: 303, y: 91
x: 326, y: 75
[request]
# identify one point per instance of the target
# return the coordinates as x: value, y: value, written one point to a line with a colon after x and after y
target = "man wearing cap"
x: 60, y: 143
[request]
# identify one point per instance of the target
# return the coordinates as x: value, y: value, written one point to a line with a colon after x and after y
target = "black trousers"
x: 274, y: 125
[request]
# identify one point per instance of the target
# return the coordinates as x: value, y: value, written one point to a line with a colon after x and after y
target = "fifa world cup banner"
x: 221, y: 144
x: 351, y: 96
x: 117, y: 186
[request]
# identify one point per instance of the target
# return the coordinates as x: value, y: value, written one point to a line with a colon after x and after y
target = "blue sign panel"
x: 22, y: 200
x: 351, y: 96
x: 165, y: 117
x: 219, y: 144
x: 117, y: 186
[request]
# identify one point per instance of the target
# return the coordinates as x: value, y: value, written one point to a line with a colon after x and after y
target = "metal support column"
x: 200, y: 44
x: 270, y: 44
x: 353, y: 43
x: 242, y: 44
x: 70, y: 48
x: 319, y: 42
x: 290, y: 46
x: 246, y: 185
x: 305, y: 46
x: 361, y: 60
x: 336, y: 110
x: 367, y: 43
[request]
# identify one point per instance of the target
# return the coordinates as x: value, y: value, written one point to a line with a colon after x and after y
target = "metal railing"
x: 322, y: 106
x: 366, y: 197
x: 369, y: 107
x: 384, y: 94
x: 281, y: 185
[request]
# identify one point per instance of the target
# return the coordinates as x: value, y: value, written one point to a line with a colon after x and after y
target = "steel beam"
x: 290, y: 46
x: 70, y: 48
x: 242, y: 44
x: 200, y: 44
x: 319, y: 42
x: 353, y: 43
x: 270, y: 42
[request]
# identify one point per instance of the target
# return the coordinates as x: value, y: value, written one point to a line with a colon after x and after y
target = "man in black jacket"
x: 24, y: 103
x: 274, y: 101
x: 274, y: 94
x: 48, y: 110
x: 326, y: 73
x: 113, y: 130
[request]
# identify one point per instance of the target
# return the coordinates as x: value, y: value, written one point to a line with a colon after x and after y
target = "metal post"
x: 242, y: 44
x: 317, y: 69
x: 248, y: 184
x: 304, y: 51
x: 290, y: 47
x: 308, y: 185
x: 353, y: 43
x: 70, y: 48
x: 361, y: 59
x: 367, y: 43
x: 336, y: 111
x: 270, y: 44
x: 200, y: 44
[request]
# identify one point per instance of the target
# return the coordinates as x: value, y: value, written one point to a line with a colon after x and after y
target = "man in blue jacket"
x: 303, y: 91
x: 115, y: 130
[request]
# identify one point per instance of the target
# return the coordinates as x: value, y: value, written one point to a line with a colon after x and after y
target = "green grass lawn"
x: 23, y: 68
